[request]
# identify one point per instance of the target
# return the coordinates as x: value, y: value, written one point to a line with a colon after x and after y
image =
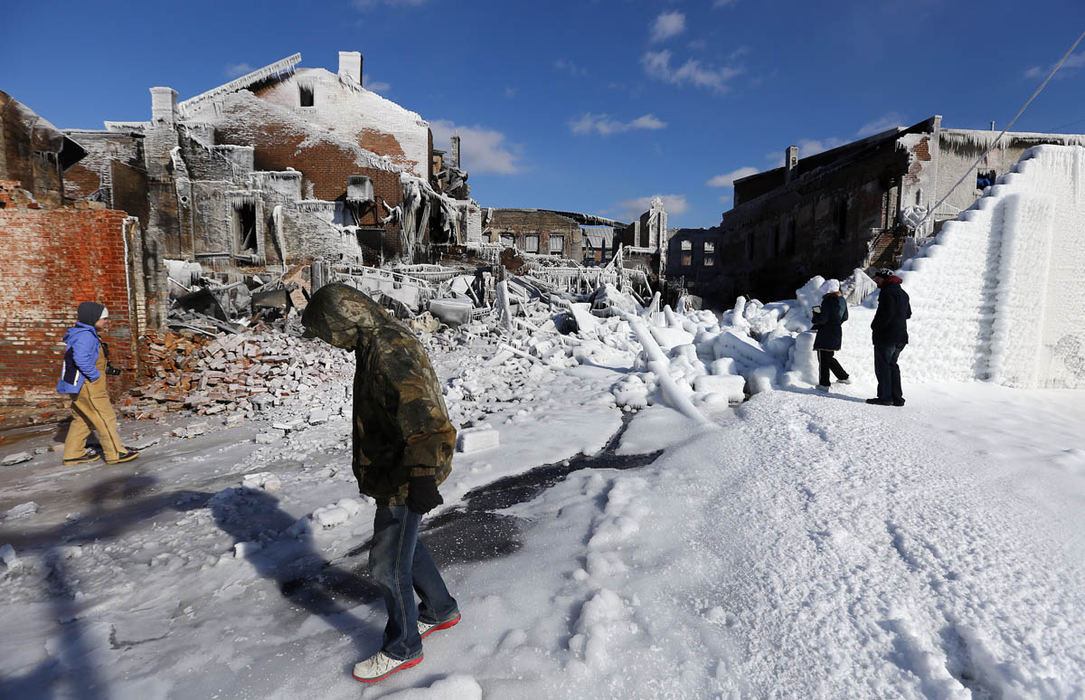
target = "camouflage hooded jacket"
x: 401, y: 426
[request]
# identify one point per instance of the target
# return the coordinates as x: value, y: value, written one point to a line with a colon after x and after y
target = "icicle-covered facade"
x: 870, y: 203
x: 281, y: 166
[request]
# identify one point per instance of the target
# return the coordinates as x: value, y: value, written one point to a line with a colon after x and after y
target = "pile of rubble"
x: 240, y: 374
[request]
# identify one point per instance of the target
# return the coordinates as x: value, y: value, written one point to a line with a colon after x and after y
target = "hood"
x: 77, y: 330
x: 337, y: 314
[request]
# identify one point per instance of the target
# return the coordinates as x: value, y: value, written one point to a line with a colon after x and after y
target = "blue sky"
x: 585, y: 106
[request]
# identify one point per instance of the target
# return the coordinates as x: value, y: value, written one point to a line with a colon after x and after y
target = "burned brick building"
x: 57, y: 253
x: 535, y: 231
x: 861, y: 204
x: 276, y: 168
x: 644, y: 242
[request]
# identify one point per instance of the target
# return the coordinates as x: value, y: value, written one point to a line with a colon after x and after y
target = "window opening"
x: 985, y: 178
x: 687, y: 245
x: 709, y: 246
x: 508, y: 240
x: 245, y: 222
x: 709, y: 260
x: 687, y: 259
x: 306, y: 96
x: 557, y: 244
x: 531, y: 244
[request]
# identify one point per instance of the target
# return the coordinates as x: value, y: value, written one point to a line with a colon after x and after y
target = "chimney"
x: 350, y: 65
x: 455, y: 155
x: 790, y: 162
x: 163, y: 106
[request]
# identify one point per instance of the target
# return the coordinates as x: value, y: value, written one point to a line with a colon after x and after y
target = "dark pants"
x: 887, y: 372
x: 827, y: 362
x: 402, y: 566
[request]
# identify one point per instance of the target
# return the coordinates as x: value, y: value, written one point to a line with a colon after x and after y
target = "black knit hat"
x: 90, y: 311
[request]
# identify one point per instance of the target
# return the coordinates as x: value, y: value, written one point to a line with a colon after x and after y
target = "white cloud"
x: 375, y: 85
x: 723, y: 3
x: 605, y: 125
x: 667, y: 25
x: 482, y: 150
x: 1074, y: 61
x: 238, y: 69
x: 572, y: 68
x: 728, y: 179
x: 672, y: 203
x: 510, y: 92
x: 880, y: 124
x: 657, y: 64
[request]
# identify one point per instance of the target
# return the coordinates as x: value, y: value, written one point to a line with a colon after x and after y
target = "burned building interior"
x: 238, y: 200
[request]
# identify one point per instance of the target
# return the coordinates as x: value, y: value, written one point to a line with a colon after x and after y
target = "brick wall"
x: 55, y: 259
x: 523, y: 222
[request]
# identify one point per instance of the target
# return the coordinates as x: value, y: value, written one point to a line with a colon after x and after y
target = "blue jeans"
x: 887, y: 372
x: 401, y: 566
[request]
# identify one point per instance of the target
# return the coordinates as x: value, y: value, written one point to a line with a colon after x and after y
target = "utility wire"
x: 1003, y: 133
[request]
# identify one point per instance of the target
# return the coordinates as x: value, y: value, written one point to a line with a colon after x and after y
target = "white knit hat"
x: 830, y: 286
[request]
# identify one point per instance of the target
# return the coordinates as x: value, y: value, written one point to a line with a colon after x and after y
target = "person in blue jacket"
x: 889, y: 331
x: 827, y: 320
x: 84, y: 377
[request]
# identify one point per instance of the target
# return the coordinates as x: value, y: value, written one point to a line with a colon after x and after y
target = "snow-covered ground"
x: 804, y: 545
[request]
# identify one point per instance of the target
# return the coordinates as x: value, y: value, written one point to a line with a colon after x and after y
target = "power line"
x: 1003, y: 132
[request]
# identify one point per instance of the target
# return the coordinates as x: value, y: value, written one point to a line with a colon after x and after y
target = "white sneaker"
x: 427, y: 628
x: 845, y: 380
x: 380, y: 666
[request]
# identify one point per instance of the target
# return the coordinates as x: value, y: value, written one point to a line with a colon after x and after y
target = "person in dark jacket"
x: 84, y: 376
x: 889, y: 331
x: 827, y: 320
x: 403, y: 445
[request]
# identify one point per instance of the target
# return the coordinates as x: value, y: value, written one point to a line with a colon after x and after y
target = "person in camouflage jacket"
x: 403, y: 443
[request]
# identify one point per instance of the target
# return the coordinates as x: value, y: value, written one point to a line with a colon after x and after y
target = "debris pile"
x: 243, y: 373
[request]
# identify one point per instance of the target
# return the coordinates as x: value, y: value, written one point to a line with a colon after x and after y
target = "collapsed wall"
x: 996, y: 296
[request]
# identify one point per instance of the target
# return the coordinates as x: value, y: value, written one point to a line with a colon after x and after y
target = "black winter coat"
x: 827, y: 321
x: 890, y: 324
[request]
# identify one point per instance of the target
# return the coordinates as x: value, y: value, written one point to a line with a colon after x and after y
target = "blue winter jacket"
x: 79, y: 358
x: 827, y: 321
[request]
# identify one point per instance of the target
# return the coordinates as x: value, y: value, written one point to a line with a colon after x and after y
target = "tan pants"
x: 91, y: 410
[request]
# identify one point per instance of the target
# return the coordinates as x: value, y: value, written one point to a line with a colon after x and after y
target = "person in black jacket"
x: 889, y: 331
x: 827, y: 320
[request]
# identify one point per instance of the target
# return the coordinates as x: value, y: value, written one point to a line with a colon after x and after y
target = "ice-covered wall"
x: 997, y: 294
x: 376, y: 123
x: 959, y: 148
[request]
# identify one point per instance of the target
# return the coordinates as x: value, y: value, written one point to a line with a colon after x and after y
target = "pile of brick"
x: 240, y: 374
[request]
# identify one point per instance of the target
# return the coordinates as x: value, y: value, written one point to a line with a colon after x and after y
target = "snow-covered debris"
x: 262, y: 480
x: 336, y: 514
x: 248, y: 373
x: 23, y: 510
x: 16, y: 458
x: 8, y: 556
x: 471, y: 440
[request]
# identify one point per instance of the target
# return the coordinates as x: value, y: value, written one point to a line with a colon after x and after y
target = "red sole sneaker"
x: 442, y: 626
x: 403, y: 666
